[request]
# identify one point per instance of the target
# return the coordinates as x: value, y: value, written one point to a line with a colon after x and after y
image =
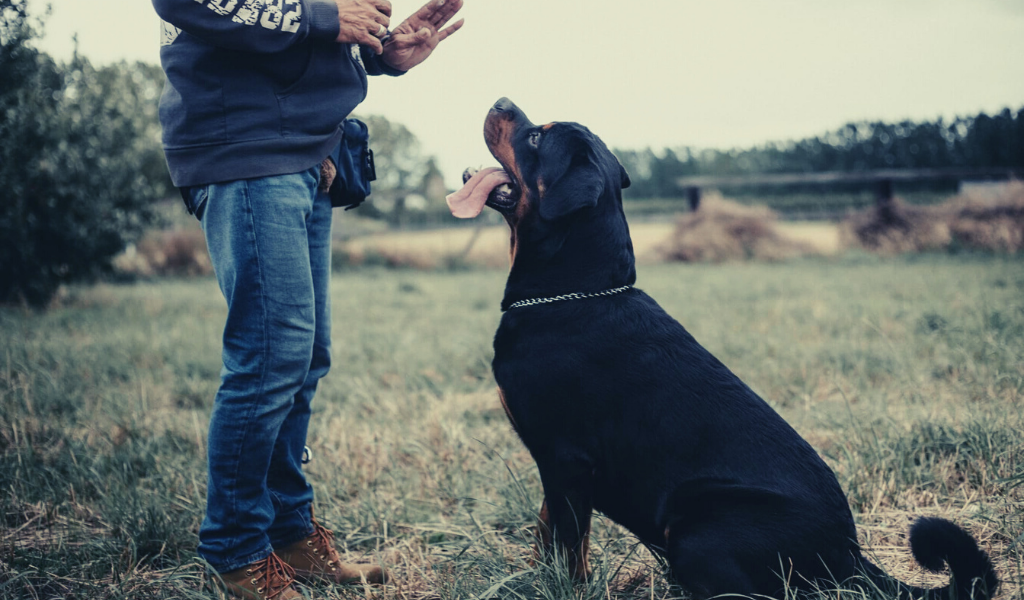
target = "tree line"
x: 981, y: 140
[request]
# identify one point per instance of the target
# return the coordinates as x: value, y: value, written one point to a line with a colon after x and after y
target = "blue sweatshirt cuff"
x: 323, y: 22
x: 375, y: 65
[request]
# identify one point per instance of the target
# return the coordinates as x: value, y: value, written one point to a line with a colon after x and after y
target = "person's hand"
x: 363, y: 22
x: 413, y: 41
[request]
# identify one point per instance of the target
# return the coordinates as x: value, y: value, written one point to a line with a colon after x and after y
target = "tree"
x: 80, y: 162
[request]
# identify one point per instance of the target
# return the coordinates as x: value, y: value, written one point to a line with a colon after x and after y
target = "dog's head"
x: 560, y: 190
x: 555, y: 169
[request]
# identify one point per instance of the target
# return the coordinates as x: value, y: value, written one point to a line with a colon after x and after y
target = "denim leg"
x: 291, y: 493
x: 257, y: 233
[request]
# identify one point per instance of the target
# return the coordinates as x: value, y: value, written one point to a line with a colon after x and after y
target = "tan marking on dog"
x: 498, y: 134
x: 544, y: 539
x: 504, y: 404
x: 579, y: 561
x: 579, y: 558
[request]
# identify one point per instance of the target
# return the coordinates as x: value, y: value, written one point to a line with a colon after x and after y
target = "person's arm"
x: 275, y: 25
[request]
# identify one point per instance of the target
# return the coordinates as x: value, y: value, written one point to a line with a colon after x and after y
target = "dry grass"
x: 991, y: 224
x: 487, y: 246
x: 907, y: 376
x: 178, y: 253
x: 722, y: 230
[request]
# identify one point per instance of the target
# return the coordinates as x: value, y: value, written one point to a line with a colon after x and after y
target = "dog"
x: 626, y: 413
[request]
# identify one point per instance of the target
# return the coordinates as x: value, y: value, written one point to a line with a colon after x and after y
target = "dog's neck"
x: 593, y: 254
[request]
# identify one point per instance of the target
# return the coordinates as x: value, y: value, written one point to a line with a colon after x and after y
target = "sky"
x: 659, y: 73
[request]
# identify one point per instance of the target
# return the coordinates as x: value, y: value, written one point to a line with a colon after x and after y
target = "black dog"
x: 624, y: 412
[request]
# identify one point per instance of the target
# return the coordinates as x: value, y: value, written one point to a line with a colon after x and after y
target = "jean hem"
x: 240, y: 563
x: 288, y: 541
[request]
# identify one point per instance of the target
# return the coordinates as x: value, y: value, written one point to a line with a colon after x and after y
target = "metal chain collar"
x: 573, y: 296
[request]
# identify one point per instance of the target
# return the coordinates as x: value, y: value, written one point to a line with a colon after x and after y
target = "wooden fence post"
x: 693, y: 196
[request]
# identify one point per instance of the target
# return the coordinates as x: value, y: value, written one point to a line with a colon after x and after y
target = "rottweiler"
x: 626, y: 413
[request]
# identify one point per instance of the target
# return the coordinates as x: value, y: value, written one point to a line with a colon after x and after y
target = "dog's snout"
x: 503, y: 105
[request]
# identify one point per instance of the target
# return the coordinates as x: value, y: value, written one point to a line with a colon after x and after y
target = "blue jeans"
x: 270, y: 244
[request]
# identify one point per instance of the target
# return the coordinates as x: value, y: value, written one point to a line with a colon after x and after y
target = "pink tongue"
x: 469, y: 201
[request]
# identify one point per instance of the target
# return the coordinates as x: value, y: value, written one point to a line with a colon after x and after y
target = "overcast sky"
x: 661, y: 73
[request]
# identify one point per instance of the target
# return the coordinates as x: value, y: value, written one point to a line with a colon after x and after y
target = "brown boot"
x: 269, y: 579
x: 315, y: 558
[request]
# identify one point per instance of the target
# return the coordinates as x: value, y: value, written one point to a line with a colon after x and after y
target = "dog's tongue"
x: 469, y: 201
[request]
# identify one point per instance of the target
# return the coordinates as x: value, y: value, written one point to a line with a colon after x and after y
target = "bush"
x: 80, y: 163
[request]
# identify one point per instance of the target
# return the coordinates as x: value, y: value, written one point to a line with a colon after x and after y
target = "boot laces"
x: 322, y: 542
x: 272, y: 576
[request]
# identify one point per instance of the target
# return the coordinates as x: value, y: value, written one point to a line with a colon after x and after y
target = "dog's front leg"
x: 564, y: 520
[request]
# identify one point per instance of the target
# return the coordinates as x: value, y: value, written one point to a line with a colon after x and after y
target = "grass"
x: 906, y: 374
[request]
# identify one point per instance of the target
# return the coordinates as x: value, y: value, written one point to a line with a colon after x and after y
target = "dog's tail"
x: 935, y: 543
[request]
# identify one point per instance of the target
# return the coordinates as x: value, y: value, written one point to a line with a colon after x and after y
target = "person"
x: 255, y: 97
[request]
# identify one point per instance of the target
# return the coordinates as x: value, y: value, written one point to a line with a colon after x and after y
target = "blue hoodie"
x: 255, y: 87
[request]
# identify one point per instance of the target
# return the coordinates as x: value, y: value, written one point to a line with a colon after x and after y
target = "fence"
x: 882, y: 180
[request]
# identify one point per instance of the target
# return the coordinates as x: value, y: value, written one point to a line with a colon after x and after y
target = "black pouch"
x: 356, y: 170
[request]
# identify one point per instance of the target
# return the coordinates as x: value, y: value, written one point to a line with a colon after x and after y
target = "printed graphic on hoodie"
x: 168, y: 33
x: 283, y: 15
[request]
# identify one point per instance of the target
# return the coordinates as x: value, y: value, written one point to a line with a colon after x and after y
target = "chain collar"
x: 573, y: 296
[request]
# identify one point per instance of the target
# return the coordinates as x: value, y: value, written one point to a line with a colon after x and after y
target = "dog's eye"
x: 534, y: 139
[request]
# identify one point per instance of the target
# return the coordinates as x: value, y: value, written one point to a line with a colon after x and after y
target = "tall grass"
x: 906, y: 374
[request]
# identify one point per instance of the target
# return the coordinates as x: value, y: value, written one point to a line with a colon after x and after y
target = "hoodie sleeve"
x: 264, y: 26
x: 375, y: 65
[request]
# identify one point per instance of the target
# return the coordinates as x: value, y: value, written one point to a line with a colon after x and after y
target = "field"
x: 489, y: 246
x: 906, y: 374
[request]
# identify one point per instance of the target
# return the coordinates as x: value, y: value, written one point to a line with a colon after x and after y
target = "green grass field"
x: 906, y: 374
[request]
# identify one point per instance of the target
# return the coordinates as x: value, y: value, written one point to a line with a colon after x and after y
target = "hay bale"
x: 994, y: 224
x: 895, y: 227
x: 723, y: 230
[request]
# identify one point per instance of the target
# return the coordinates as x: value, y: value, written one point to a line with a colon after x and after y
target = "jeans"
x: 270, y: 245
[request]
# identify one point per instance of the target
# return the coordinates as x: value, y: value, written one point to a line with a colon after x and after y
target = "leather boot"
x: 269, y: 579
x: 315, y: 558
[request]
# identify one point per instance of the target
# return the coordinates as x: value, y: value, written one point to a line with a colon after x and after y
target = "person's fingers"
x: 382, y: 19
x: 444, y: 33
x: 376, y: 29
x: 431, y: 10
x: 445, y: 12
x: 383, y: 6
x: 401, y: 41
x: 365, y: 39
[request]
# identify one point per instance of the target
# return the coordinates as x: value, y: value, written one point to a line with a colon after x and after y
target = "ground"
x: 906, y: 374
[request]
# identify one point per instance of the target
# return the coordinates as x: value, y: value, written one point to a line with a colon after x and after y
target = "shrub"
x: 80, y: 163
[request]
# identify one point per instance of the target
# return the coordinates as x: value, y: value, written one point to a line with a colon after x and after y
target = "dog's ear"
x: 573, y: 182
x: 626, y: 182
